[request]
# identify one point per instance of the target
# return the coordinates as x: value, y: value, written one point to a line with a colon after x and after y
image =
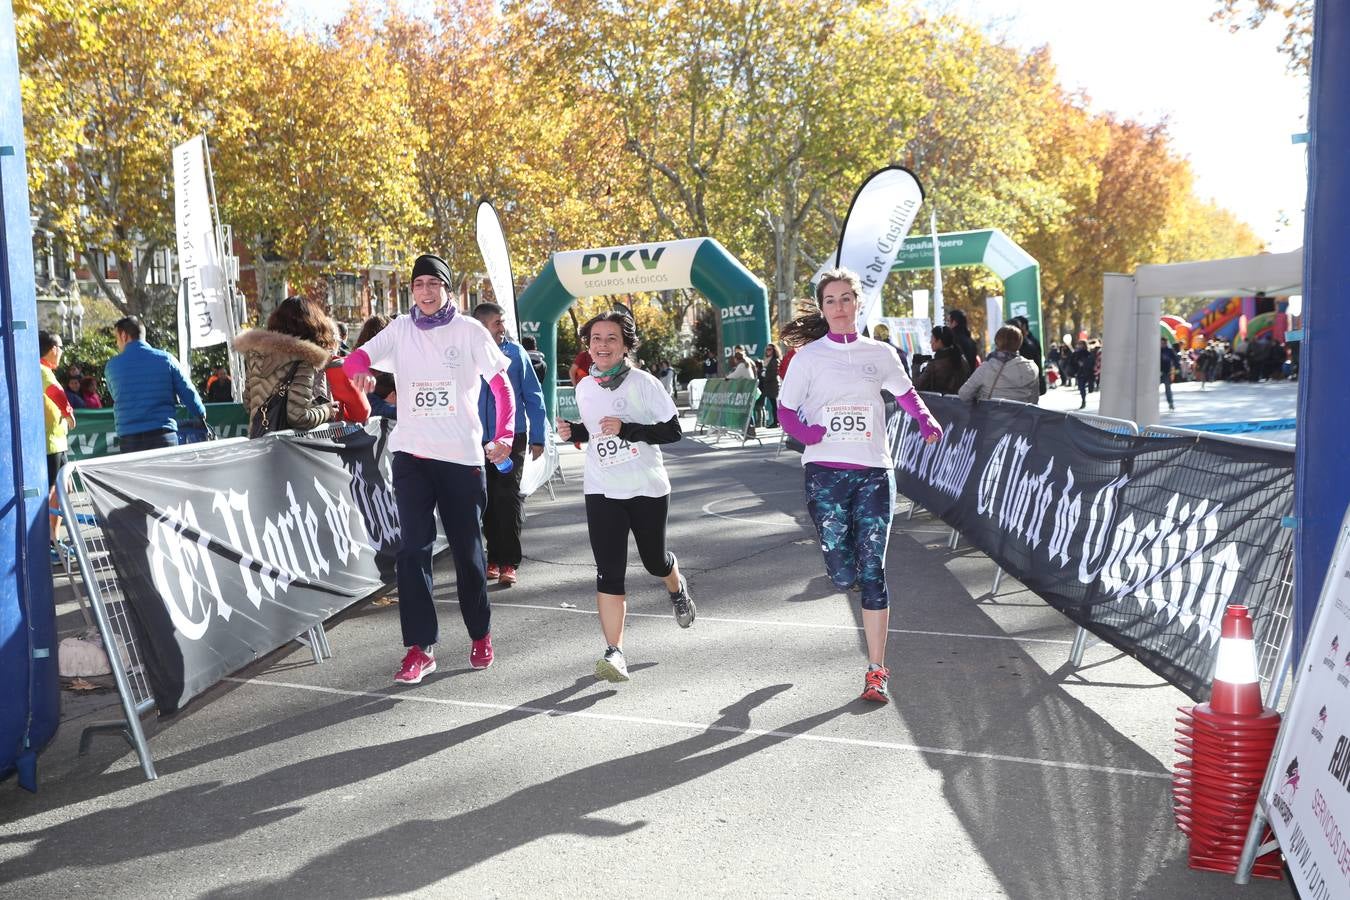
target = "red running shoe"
x: 508, y: 577
x: 875, y: 686
x: 416, y: 665
x: 493, y: 572
x: 480, y: 657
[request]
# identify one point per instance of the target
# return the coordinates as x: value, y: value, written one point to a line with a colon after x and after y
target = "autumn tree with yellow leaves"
x: 587, y: 125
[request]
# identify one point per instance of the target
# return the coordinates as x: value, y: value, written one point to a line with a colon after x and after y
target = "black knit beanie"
x: 431, y: 264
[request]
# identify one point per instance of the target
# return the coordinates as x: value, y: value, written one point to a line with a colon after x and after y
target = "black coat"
x: 966, y: 344
x: 1031, y: 349
x: 945, y: 373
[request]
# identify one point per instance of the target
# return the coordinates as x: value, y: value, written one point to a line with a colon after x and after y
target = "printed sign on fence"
x: 228, y: 552
x: 1142, y: 541
x: 1308, y: 797
x: 727, y: 403
x: 567, y: 405
x: 95, y: 432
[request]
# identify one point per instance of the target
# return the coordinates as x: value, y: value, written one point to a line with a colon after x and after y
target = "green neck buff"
x: 611, y: 378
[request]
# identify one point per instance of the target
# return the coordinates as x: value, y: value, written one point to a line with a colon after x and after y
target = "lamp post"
x: 63, y: 312
x: 77, y: 320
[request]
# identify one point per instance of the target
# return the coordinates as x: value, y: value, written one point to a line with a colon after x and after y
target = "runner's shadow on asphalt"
x: 1043, y: 829
x: 213, y: 811
x: 818, y: 588
x: 398, y: 859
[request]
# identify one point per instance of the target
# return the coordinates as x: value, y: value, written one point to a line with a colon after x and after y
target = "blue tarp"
x: 1321, y: 488
x: 29, y: 688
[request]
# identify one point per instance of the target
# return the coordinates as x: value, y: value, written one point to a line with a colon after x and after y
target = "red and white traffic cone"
x: 1225, y: 746
x: 1236, y: 690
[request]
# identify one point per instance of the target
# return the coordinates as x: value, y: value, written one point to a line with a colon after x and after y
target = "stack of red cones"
x: 1225, y: 746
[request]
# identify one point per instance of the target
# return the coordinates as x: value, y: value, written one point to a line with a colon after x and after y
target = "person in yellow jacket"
x: 60, y: 417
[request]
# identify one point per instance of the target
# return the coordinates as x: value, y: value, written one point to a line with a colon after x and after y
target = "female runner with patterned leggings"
x: 831, y: 402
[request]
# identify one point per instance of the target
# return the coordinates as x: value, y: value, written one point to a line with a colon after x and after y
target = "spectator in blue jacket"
x: 505, y: 513
x: 146, y: 385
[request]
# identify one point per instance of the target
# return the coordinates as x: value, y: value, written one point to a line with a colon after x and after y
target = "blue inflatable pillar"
x: 30, y: 692
x: 1321, y: 485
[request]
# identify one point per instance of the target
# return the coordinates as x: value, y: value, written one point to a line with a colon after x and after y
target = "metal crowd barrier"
x: 109, y: 603
x: 1275, y: 647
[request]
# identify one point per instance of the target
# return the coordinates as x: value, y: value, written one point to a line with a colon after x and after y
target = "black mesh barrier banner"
x: 1141, y: 540
x: 227, y: 551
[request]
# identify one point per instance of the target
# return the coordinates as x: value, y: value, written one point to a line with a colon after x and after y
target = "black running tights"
x: 610, y: 521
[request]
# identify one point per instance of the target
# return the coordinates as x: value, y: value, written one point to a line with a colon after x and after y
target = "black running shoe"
x: 682, y: 605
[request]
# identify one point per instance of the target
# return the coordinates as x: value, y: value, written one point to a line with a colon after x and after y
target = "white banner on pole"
x: 993, y: 318
x: 184, y: 338
x: 939, y: 313
x: 874, y: 230
x: 920, y: 303
x: 1305, y: 793
x: 199, y: 263
x: 492, y: 244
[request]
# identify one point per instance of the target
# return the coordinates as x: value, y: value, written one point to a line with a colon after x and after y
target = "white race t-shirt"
x: 436, y: 373
x: 839, y: 386
x: 617, y: 468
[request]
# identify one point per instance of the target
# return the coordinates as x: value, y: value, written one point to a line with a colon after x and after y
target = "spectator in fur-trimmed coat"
x: 298, y: 331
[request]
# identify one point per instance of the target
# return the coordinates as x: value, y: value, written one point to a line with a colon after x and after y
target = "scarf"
x: 1003, y: 355
x: 436, y: 319
x: 611, y: 379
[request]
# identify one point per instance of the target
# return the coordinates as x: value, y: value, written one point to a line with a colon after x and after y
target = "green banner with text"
x: 727, y: 403
x: 95, y: 432
x: 567, y: 405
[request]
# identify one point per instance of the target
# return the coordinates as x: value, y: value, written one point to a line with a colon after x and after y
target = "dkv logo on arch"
x: 737, y: 312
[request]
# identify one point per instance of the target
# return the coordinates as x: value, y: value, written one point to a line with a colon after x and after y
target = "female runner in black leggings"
x: 625, y: 415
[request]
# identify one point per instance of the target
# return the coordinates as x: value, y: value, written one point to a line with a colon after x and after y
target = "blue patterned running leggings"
x: 852, y: 511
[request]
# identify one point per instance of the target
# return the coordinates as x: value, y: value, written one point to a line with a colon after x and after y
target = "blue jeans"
x: 852, y: 511
x: 147, y: 440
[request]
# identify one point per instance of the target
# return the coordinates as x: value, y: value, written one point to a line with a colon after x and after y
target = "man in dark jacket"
x: 1082, y: 362
x: 1170, y: 361
x: 948, y: 370
x: 146, y: 385
x: 537, y: 361
x: 1031, y: 348
x: 504, y: 515
x: 956, y: 321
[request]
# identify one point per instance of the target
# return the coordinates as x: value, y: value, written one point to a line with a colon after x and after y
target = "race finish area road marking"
x: 498, y: 604
x: 415, y: 697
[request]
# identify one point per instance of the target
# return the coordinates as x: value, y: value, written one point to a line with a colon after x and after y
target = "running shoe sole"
x: 873, y: 695
x: 426, y: 670
x: 607, y: 671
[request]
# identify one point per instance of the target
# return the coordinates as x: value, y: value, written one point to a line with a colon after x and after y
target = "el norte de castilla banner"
x: 1141, y: 540
x: 231, y: 549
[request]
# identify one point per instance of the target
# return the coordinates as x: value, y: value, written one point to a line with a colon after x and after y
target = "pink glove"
x: 807, y: 434
x: 911, y: 403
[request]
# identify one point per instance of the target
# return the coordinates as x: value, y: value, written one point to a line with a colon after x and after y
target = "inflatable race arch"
x: 1019, y: 271
x: 700, y: 263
